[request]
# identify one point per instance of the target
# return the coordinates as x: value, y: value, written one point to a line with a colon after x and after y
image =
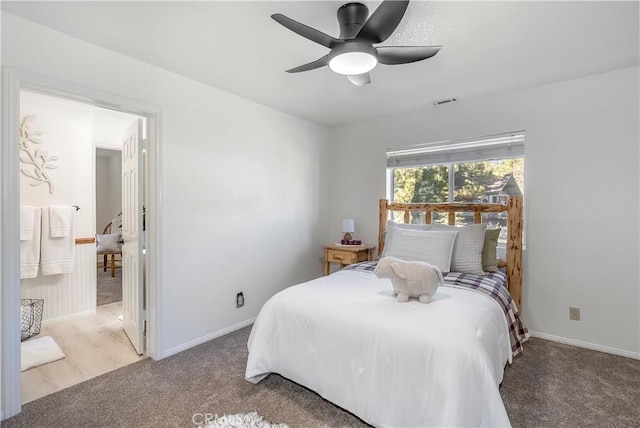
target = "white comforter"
x: 392, y: 364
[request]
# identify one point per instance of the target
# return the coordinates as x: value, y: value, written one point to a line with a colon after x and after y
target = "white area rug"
x: 241, y: 420
x: 36, y: 352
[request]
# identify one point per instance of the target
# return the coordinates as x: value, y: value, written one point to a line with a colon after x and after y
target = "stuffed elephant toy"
x: 410, y: 279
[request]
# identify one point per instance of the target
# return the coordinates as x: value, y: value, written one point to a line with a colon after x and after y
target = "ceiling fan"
x: 353, y: 53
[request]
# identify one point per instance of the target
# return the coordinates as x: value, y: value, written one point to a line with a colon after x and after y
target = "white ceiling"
x: 235, y: 46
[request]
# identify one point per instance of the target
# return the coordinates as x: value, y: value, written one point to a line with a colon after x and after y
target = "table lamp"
x: 347, y: 228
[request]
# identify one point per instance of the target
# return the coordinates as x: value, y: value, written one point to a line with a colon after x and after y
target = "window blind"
x: 490, y: 147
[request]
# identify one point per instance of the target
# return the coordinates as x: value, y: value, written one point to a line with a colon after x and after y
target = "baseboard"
x: 587, y: 345
x: 207, y: 338
x: 63, y: 318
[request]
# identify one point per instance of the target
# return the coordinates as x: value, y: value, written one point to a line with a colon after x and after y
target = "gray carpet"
x: 109, y: 289
x: 551, y: 385
x: 556, y: 385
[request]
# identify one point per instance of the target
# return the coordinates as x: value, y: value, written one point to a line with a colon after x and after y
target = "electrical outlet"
x: 239, y: 300
x: 574, y: 314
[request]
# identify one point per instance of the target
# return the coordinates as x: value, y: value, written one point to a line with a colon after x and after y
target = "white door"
x: 132, y: 236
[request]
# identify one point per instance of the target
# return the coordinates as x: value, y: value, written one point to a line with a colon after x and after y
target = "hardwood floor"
x: 93, y: 345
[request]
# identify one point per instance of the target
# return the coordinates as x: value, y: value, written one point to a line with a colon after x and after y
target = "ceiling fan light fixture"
x: 352, y: 54
x: 353, y: 58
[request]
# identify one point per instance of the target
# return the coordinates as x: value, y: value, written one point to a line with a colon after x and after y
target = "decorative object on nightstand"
x: 347, y: 227
x: 345, y: 255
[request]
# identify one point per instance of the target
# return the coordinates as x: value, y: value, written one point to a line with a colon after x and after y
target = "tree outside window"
x: 489, y: 181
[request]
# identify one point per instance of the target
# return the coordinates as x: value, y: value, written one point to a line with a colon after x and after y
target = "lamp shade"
x: 352, y: 58
x: 348, y: 226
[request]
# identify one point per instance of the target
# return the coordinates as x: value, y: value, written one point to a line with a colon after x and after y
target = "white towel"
x: 30, y: 248
x: 56, y: 254
x: 60, y: 219
x: 36, y: 352
x: 26, y: 222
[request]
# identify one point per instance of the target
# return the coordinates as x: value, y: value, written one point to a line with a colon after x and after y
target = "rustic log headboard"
x: 513, y: 208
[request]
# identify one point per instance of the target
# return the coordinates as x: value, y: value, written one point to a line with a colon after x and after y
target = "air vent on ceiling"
x: 444, y: 101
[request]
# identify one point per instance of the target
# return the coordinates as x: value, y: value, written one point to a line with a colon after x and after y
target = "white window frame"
x: 478, y: 149
x: 468, y: 150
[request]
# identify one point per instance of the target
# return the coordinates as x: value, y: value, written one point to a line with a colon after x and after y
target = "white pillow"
x: 109, y: 242
x: 435, y: 247
x: 467, y: 250
x: 395, y: 225
x: 392, y: 225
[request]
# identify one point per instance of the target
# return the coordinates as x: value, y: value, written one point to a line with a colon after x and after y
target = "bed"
x: 393, y: 364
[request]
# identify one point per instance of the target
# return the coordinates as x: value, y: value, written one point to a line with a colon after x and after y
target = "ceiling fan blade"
x: 306, y: 31
x: 360, y: 79
x: 392, y: 55
x: 321, y: 62
x: 383, y: 21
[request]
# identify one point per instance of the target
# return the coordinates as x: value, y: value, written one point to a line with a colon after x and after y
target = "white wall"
x: 102, y: 192
x: 114, y: 206
x: 243, y: 185
x: 108, y: 128
x: 581, y: 206
x: 66, y: 133
x: 108, y: 189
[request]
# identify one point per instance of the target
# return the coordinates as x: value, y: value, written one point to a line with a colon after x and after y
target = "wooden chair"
x: 113, y: 254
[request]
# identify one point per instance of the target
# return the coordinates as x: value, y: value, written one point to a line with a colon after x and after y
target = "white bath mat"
x: 36, y: 352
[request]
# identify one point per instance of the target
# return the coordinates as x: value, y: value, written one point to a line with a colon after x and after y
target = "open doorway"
x: 108, y: 223
x: 14, y: 81
x: 81, y: 144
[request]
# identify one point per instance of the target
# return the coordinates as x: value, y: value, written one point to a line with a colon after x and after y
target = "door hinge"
x: 144, y: 329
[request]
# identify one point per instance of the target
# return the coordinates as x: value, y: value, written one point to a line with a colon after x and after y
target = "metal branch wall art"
x: 36, y: 160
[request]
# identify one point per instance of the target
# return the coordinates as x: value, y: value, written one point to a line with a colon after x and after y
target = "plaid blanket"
x: 492, y: 284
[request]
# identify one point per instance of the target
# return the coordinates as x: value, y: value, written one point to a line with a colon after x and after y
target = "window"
x: 487, y: 170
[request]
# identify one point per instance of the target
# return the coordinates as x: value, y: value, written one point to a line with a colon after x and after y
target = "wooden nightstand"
x: 345, y: 255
